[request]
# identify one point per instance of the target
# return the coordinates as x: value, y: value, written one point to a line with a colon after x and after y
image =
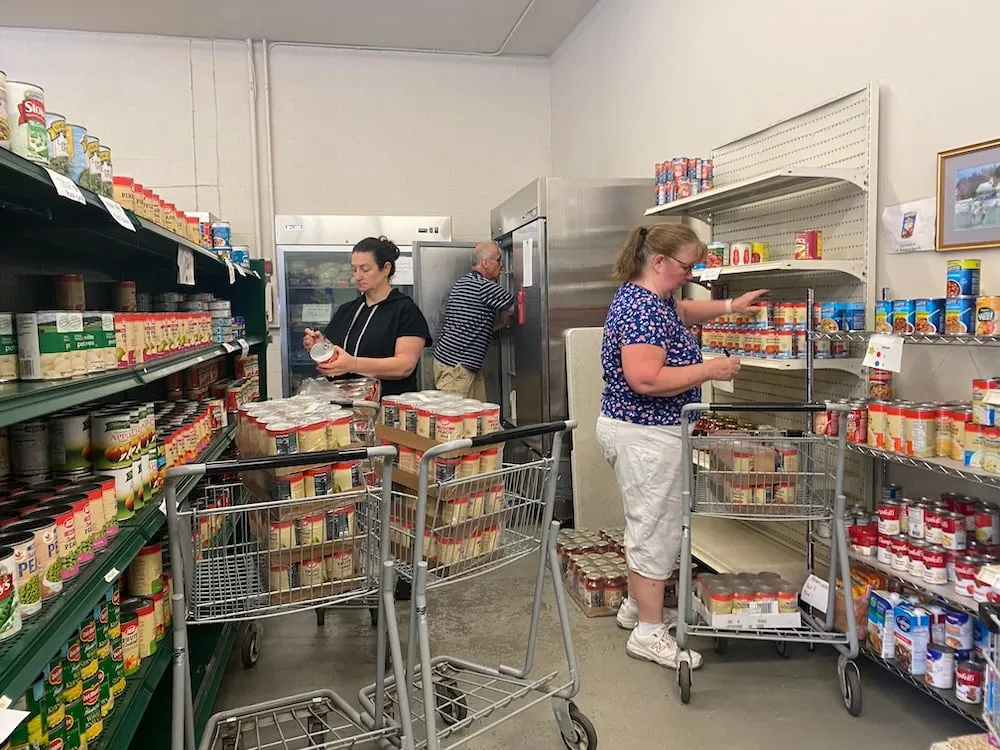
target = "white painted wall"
x: 640, y: 81
x: 352, y: 132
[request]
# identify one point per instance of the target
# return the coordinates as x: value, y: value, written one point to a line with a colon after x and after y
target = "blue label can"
x: 902, y: 316
x: 928, y: 315
x: 854, y: 317
x: 960, y: 315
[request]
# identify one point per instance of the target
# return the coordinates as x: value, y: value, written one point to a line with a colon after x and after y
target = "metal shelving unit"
x: 46, y: 235
x: 23, y: 657
x: 937, y: 339
x: 794, y: 365
x: 946, y: 466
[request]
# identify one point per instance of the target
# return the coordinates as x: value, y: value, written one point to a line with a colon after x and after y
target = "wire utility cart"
x: 457, y: 528
x: 285, y: 553
x: 767, y: 476
x: 989, y: 684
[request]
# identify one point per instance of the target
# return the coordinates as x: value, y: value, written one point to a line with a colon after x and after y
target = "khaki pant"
x: 459, y: 380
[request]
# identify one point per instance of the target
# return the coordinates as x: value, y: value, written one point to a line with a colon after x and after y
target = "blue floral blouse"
x: 638, y: 316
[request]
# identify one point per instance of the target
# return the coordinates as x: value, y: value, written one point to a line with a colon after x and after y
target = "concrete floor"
x: 749, y: 699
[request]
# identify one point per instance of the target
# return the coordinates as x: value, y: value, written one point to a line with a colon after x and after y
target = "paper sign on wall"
x: 528, y: 262
x: 910, y: 227
x: 404, y: 271
x: 884, y: 352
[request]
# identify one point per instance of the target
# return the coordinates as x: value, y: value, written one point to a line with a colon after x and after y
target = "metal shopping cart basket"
x: 767, y: 476
x: 459, y: 527
x: 263, y: 557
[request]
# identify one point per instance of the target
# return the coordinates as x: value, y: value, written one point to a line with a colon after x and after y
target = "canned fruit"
x: 963, y: 277
x: 960, y: 315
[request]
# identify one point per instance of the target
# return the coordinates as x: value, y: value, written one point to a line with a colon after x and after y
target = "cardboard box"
x: 761, y: 621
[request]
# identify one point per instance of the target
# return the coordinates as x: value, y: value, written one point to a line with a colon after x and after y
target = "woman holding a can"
x: 653, y: 367
x: 381, y: 334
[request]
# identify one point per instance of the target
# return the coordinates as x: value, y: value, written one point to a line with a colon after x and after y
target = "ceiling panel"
x: 472, y: 26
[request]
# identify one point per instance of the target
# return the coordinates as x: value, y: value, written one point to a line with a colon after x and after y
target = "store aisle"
x: 750, y: 694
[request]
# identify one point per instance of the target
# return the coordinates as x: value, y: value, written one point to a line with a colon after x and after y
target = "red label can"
x: 935, y: 565
x: 885, y: 550
x: 808, y: 245
x: 899, y: 548
x: 857, y: 423
x: 987, y: 524
x: 966, y: 569
x: 932, y: 524
x: 889, y: 514
x: 953, y: 535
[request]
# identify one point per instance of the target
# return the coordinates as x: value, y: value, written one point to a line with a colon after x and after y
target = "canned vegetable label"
x: 75, y: 726
x: 10, y: 610
x: 93, y: 722
x: 55, y: 713
x: 72, y: 681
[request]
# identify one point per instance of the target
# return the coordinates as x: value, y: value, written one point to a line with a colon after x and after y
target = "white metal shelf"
x: 765, y: 187
x: 946, y: 466
x: 728, y: 546
x: 792, y: 365
x: 788, y: 267
x: 939, y: 339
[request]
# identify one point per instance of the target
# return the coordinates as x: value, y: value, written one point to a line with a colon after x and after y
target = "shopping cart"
x: 768, y: 476
x: 264, y: 557
x: 439, y: 539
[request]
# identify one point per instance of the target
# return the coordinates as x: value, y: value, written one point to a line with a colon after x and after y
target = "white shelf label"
x: 240, y: 269
x: 185, y: 266
x: 815, y: 592
x: 710, y: 274
x: 884, y: 352
x: 163, y: 507
x: 9, y: 719
x: 317, y: 313
x: 117, y: 213
x: 111, y: 575
x: 230, y: 347
x: 244, y: 348
x: 66, y: 187
x: 232, y: 270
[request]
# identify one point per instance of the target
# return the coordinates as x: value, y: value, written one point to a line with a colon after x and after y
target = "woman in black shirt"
x: 382, y: 333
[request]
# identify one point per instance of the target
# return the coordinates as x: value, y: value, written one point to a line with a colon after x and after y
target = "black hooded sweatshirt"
x: 371, y: 331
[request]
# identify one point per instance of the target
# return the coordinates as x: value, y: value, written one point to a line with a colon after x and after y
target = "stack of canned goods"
x: 747, y: 593
x: 593, y: 567
x: 681, y: 177
x: 938, y: 541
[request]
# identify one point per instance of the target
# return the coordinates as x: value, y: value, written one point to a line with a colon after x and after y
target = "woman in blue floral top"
x: 653, y: 367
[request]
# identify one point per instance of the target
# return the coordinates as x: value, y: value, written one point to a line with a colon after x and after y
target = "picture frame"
x: 968, y: 197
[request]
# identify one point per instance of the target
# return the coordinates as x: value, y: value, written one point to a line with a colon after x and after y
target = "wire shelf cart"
x: 458, y: 528
x: 285, y: 554
x: 769, y: 476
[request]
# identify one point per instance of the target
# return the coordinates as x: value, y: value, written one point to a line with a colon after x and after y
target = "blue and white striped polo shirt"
x: 467, y: 321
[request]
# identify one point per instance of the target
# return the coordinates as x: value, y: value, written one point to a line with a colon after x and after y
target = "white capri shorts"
x: 647, y: 463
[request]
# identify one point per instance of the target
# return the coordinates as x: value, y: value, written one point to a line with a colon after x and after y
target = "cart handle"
x: 502, y: 436
x: 801, y: 408
x: 297, y: 459
x: 356, y: 404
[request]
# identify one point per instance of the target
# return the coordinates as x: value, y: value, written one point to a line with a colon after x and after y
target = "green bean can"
x: 56, y: 714
x: 107, y: 696
x: 72, y: 681
x: 93, y: 722
x: 117, y: 667
x: 74, y: 728
x: 88, y: 650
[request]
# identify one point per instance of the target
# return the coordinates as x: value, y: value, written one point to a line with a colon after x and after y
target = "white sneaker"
x: 628, y: 615
x: 660, y: 648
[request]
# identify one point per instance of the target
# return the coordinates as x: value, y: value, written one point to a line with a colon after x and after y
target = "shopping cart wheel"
x: 451, y: 705
x: 320, y: 617
x: 584, y: 735
x: 850, y: 685
x: 721, y: 645
x: 249, y: 645
x: 684, y: 680
x: 782, y: 648
x: 373, y: 614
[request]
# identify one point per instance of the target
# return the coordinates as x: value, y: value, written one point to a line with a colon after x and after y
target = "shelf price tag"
x: 66, y: 187
x: 244, y: 348
x: 884, y: 352
x: 230, y: 347
x: 185, y: 266
x: 232, y: 270
x: 163, y: 507
x: 111, y: 575
x: 117, y: 213
x: 710, y: 274
x: 241, y: 270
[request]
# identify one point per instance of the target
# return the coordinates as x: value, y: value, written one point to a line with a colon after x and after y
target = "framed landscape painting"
x: 968, y: 197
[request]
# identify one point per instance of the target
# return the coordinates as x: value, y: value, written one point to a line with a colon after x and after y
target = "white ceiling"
x: 469, y: 26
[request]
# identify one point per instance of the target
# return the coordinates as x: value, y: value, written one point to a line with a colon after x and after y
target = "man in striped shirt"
x: 475, y: 308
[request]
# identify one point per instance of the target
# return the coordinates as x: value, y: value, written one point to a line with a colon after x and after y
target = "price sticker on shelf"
x: 66, y: 187
x: 244, y: 348
x: 163, y: 507
x: 185, y: 266
x: 230, y: 347
x: 117, y: 213
x: 241, y: 270
x: 710, y: 274
x: 232, y: 270
x: 884, y: 352
x: 111, y: 575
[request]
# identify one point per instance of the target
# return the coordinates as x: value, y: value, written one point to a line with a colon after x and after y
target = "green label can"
x: 72, y: 681
x: 55, y: 713
x: 117, y: 667
x: 107, y: 696
x: 57, y: 737
x: 88, y: 650
x: 34, y: 701
x: 74, y: 727
x: 93, y: 722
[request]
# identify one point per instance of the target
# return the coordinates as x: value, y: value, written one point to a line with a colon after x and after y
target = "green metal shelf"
x: 23, y: 657
x: 31, y: 201
x: 130, y: 706
x: 24, y: 400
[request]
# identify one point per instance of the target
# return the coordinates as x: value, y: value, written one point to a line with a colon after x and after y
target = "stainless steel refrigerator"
x: 314, y: 273
x: 559, y: 237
